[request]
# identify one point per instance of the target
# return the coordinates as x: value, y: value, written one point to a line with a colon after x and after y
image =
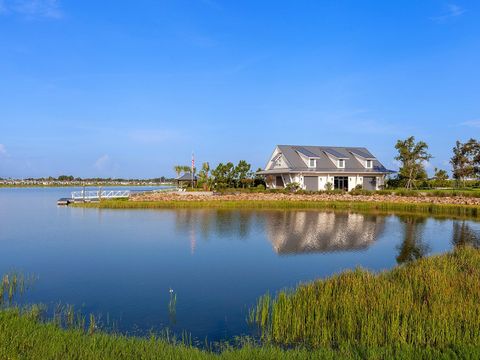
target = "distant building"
x: 314, y: 167
x: 186, y: 180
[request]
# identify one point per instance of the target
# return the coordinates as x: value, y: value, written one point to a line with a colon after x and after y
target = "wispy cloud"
x: 472, y: 123
x: 32, y: 9
x: 450, y: 12
x: 102, y: 162
x: 3, y: 151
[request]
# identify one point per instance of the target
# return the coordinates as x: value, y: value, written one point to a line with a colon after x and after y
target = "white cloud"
x: 472, y: 123
x: 102, y: 162
x: 32, y: 8
x: 451, y: 11
x: 3, y: 150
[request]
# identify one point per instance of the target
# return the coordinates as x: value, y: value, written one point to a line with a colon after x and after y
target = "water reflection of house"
x: 310, y: 231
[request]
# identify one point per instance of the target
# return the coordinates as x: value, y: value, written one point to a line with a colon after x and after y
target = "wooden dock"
x: 93, y: 195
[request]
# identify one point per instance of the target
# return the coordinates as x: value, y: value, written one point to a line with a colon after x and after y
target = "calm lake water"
x: 121, y: 264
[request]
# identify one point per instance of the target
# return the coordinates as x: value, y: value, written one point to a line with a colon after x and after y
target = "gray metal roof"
x: 363, y: 154
x: 336, y: 153
x: 186, y: 177
x: 323, y: 161
x: 304, y: 152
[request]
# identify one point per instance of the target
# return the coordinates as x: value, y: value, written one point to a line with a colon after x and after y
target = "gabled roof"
x: 323, y: 154
x: 363, y: 154
x: 304, y: 151
x: 335, y: 153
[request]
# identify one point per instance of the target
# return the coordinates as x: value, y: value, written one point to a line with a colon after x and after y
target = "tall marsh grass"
x: 433, y: 302
x: 13, y: 284
x: 426, y: 309
x: 23, y: 337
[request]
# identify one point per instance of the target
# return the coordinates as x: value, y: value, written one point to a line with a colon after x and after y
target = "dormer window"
x: 341, y: 163
x: 369, y: 164
x: 312, y: 163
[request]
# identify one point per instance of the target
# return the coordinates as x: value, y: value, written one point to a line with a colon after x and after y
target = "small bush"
x: 361, y: 192
x: 292, y: 187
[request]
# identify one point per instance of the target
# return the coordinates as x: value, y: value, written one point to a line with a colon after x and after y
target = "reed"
x: 14, y: 284
x: 172, y: 307
x: 452, y: 210
x: 22, y: 336
x: 429, y: 303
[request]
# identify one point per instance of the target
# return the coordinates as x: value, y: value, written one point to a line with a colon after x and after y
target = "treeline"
x: 70, y: 178
x: 414, y: 155
x: 225, y: 176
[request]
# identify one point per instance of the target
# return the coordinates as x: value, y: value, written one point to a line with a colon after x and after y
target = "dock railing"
x: 99, y: 194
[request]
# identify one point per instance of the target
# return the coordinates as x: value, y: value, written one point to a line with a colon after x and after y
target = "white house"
x: 320, y: 167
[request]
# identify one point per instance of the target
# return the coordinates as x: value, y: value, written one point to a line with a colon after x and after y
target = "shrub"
x: 292, y: 187
x: 260, y: 187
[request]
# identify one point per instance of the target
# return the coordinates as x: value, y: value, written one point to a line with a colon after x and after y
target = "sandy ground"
x: 457, y: 200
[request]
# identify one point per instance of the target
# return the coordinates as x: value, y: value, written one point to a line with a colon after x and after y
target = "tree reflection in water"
x: 413, y: 246
x: 310, y: 231
x: 463, y: 234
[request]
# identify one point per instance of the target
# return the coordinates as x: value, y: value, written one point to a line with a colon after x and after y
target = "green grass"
x: 433, y: 302
x: 23, y: 337
x: 451, y: 210
x: 427, y: 309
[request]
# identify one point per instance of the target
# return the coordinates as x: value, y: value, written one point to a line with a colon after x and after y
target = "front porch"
x: 321, y: 182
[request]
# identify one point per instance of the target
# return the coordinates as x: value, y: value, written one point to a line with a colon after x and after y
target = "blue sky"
x: 130, y: 88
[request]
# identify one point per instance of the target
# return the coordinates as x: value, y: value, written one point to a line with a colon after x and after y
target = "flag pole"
x: 193, y: 167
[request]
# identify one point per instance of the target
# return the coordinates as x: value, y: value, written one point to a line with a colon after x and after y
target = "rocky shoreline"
x: 192, y: 196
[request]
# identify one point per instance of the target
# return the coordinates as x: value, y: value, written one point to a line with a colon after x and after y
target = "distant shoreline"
x: 81, y: 185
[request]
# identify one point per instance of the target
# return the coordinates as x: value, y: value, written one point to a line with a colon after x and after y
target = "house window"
x: 341, y: 164
x: 312, y: 163
x: 369, y: 164
x: 340, y: 182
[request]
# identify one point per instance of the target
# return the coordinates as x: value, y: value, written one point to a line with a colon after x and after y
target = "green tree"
x: 203, y: 176
x: 441, y: 174
x: 258, y: 179
x: 177, y: 169
x: 412, y: 155
x: 242, y: 173
x: 223, y: 175
x: 466, y: 160
x: 182, y: 168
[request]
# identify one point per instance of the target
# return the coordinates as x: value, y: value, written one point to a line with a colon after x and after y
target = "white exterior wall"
x: 323, y: 179
x: 353, y: 180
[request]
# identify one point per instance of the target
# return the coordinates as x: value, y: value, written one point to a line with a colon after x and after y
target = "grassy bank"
x: 23, y: 337
x: 425, y: 310
x: 452, y: 210
x: 433, y: 302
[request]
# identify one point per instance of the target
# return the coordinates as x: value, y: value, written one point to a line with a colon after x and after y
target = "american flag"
x: 193, y: 162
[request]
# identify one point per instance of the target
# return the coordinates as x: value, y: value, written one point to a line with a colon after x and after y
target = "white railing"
x: 97, y: 194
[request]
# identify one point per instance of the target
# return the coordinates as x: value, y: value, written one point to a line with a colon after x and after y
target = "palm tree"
x: 206, y: 169
x: 178, y: 169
